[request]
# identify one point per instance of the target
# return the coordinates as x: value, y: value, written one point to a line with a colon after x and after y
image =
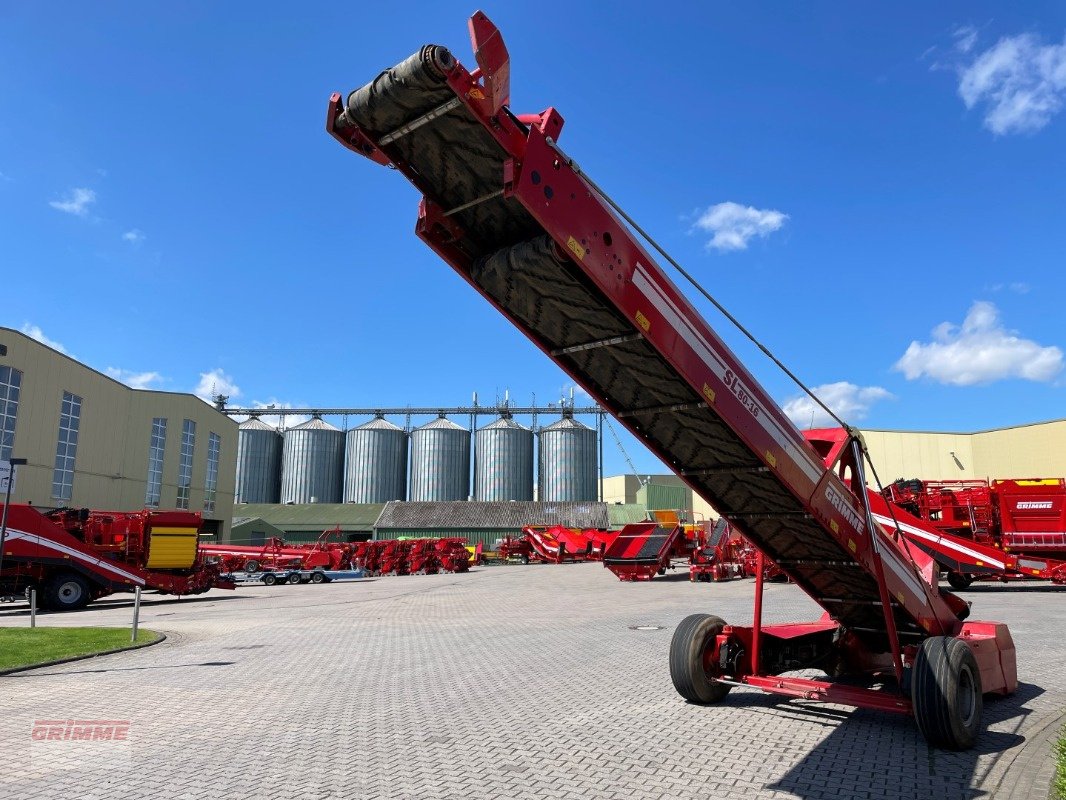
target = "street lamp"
x: 13, y: 462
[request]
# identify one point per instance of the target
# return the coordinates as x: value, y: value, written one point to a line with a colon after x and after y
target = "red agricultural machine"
x: 519, y: 220
x: 414, y: 556
x: 329, y: 552
x: 1003, y: 530
x: 74, y: 556
x: 726, y: 554
x: 555, y: 544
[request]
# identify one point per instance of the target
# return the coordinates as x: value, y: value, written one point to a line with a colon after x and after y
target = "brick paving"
x: 508, y: 682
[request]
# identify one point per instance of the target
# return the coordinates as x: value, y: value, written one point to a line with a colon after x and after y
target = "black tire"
x: 946, y: 693
x: 251, y: 565
x: 524, y: 558
x: 959, y: 581
x: 65, y: 591
x: 318, y: 577
x: 294, y: 578
x: 690, y: 640
x: 269, y: 579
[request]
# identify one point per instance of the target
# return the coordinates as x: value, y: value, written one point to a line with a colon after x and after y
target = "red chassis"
x: 526, y: 228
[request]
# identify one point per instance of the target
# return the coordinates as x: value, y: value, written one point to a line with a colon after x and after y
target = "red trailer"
x: 74, y: 556
x: 519, y: 220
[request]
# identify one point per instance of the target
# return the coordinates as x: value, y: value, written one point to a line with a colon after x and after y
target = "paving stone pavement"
x: 507, y: 682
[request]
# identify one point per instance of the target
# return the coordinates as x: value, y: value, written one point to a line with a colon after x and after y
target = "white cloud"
x: 76, y: 201
x: 849, y: 402
x: 291, y: 420
x: 965, y: 38
x: 214, y: 383
x: 133, y: 236
x: 733, y: 224
x: 135, y: 380
x: 35, y: 332
x: 1020, y: 82
x: 981, y: 351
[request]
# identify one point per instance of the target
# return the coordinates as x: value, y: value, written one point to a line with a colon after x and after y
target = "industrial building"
x: 91, y: 441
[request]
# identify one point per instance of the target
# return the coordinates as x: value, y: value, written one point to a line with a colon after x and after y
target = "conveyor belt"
x: 454, y: 161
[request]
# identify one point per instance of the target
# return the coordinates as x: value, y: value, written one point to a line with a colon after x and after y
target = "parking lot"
x: 547, y: 682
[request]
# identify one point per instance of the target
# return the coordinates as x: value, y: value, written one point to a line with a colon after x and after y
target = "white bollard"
x: 136, y: 612
x: 33, y: 608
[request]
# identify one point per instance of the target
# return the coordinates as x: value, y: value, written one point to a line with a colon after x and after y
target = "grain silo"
x: 440, y: 462
x: 567, y: 464
x: 258, y: 462
x: 503, y: 458
x: 375, y: 463
x: 312, y: 463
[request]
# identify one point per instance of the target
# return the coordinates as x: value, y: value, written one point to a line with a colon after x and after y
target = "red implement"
x: 72, y: 556
x: 517, y: 219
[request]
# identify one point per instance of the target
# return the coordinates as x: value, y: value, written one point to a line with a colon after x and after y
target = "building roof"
x: 244, y: 527
x: 313, y: 516
x: 466, y: 515
x: 620, y: 514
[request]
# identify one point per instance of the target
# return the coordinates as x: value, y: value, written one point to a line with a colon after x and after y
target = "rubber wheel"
x: 65, y: 591
x: 946, y: 693
x: 251, y: 566
x: 959, y: 581
x: 318, y: 577
x: 269, y: 579
x: 524, y: 559
x: 294, y: 578
x: 691, y: 639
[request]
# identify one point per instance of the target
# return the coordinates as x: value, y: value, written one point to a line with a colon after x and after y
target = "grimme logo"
x: 1032, y: 505
x: 840, y: 504
x: 80, y: 730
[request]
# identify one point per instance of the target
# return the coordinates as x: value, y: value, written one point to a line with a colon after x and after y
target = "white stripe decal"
x: 665, y: 306
x: 901, y: 571
x: 41, y: 541
x: 929, y: 537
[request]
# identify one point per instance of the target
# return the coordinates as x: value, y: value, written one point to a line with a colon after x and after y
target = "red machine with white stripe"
x: 1001, y: 531
x: 73, y: 556
x: 516, y: 217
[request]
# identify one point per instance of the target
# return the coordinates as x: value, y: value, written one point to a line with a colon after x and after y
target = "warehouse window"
x: 188, y: 443
x: 10, y: 385
x: 155, y: 462
x: 214, y: 445
x: 67, y: 447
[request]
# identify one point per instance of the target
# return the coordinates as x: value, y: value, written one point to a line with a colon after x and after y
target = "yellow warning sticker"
x: 900, y: 597
x: 477, y: 94
x: 834, y: 526
x: 576, y: 248
x: 771, y: 459
x: 643, y: 322
x: 851, y: 545
x: 708, y: 392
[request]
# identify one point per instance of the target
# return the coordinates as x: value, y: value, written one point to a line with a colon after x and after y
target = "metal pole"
x: 756, y: 631
x: 33, y: 608
x: 599, y: 435
x: 136, y: 612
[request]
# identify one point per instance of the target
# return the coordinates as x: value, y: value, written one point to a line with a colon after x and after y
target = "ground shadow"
x: 148, y: 602
x: 876, y: 754
x: 37, y: 674
x: 999, y: 588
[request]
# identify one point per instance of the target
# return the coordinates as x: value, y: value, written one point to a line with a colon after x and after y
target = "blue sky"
x: 877, y: 192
